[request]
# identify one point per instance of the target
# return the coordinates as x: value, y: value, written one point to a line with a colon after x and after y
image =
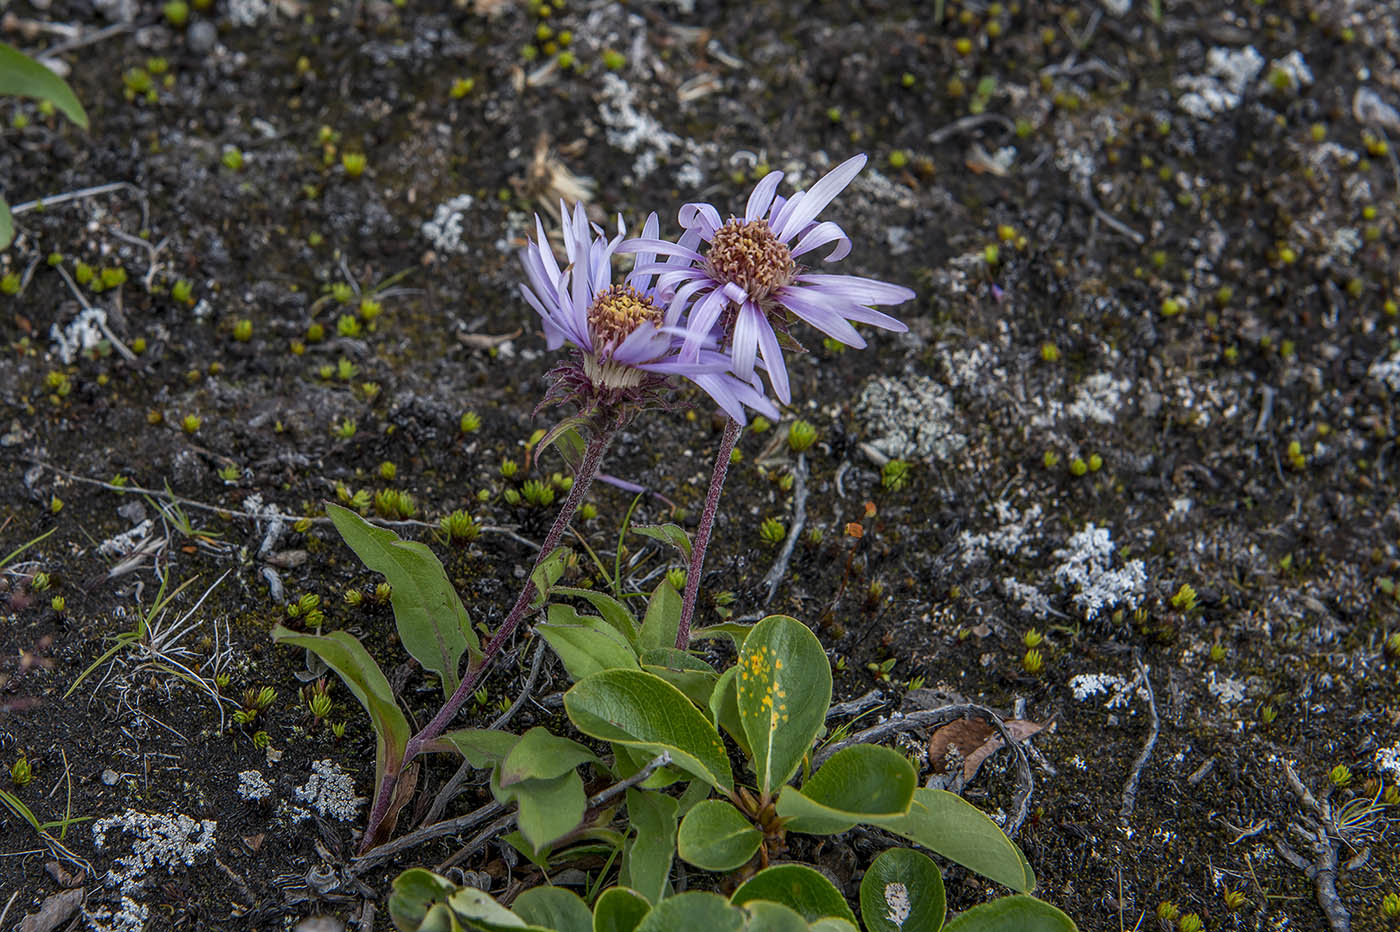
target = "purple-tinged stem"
x: 702, y: 533
x: 583, y: 478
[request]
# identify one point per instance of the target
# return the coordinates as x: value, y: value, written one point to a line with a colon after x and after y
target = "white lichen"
x: 1099, y: 397
x: 897, y: 904
x: 252, y: 786
x: 85, y: 333
x: 1387, y: 371
x: 1227, y: 690
x: 909, y: 418
x: 632, y: 130
x: 130, y: 916
x: 1086, y: 566
x: 160, y: 840
x: 330, y: 791
x: 444, y: 230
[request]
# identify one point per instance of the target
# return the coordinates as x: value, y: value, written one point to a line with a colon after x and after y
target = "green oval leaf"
x: 690, y: 675
x: 22, y: 76
x: 715, y: 836
x: 832, y: 924
x: 482, y: 747
x: 797, y: 887
x: 553, y: 908
x: 619, y: 909
x: 950, y: 826
x: 767, y: 916
x: 856, y: 784
x: 480, y: 909
x: 693, y: 912
x: 902, y: 892
x: 637, y: 709
x: 548, y: 809
x: 431, y: 620
x: 611, y: 610
x: 1012, y: 914
x: 672, y: 534
x: 415, y: 892
x: 539, y: 755
x: 724, y: 709
x: 783, y: 690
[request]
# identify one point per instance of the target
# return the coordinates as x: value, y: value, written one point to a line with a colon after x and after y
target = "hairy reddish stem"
x: 583, y: 478
x: 702, y: 533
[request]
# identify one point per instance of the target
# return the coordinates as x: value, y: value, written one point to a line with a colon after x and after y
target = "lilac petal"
x: 780, y: 214
x: 545, y: 252
x: 682, y: 298
x: 701, y: 217
x: 745, y: 342
x: 665, y: 247
x: 545, y: 286
x: 723, y: 392
x: 819, y: 195
x: 639, y: 278
x: 863, y: 290
x: 821, y: 234
x: 762, y: 197
x: 773, y: 358
x: 702, y: 319
x: 644, y: 344
x: 821, y: 315
x: 845, y: 307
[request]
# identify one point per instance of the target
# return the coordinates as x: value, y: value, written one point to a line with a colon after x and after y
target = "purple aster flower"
x: 747, y: 286
x: 627, y: 346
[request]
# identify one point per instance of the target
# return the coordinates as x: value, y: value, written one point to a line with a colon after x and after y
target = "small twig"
x: 8, y: 903
x: 101, y: 322
x: 857, y: 705
x: 968, y: 123
x: 1201, y: 771
x: 653, y: 765
x: 1266, y: 408
x: 799, y: 521
x: 536, y: 665
x: 1131, y: 787
x: 82, y: 41
x: 423, y: 835
x: 1108, y: 219
x: 1304, y: 796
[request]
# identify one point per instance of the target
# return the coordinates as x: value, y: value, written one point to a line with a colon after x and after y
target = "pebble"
x: 202, y: 36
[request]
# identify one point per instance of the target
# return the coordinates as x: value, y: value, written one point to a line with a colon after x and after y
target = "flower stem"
x: 583, y: 478
x: 702, y: 533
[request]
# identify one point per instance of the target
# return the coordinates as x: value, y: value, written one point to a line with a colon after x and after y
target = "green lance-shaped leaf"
x: 797, y: 887
x: 672, y: 534
x: 553, y: 908
x: 619, y: 909
x: 611, y: 610
x: 646, y: 864
x: 690, y: 675
x: 783, y: 690
x: 639, y: 710
x: 902, y: 892
x: 859, y: 783
x: 22, y: 76
x: 480, y: 911
x: 949, y: 825
x: 7, y: 225
x: 362, y: 676
x: 1012, y: 914
x: 547, y: 573
x: 539, y: 755
x: 735, y: 631
x: 586, y: 644
x: 663, y: 618
x: 482, y: 747
x: 432, y: 622
x: 714, y: 836
x: 692, y: 912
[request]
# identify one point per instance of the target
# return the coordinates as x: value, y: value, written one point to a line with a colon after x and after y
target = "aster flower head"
x: 745, y: 287
x: 627, y: 345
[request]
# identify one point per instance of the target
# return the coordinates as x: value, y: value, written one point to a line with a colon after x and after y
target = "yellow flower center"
x: 618, y: 311
x: 748, y: 254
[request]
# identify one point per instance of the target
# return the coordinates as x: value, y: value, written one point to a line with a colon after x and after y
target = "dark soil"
x: 1199, y: 305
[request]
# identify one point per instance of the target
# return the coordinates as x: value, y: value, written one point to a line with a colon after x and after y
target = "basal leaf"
x: 783, y: 690
x: 619, y: 909
x: 549, y: 809
x: 672, y: 534
x: 539, y: 755
x: 432, y: 622
x: 767, y: 916
x: 690, y: 675
x: 714, y: 836
x: 586, y: 644
x: 798, y: 887
x: 362, y: 676
x: 724, y: 709
x: 663, y: 618
x: 478, y: 908
x: 646, y: 864
x: 553, y: 908
x: 735, y: 631
x: 856, y: 784
x: 482, y: 747
x: 1012, y: 914
x: 7, y: 225
x: 611, y: 610
x: 695, y: 910
x: 902, y: 892
x: 415, y: 892
x: 639, y: 710
x: 22, y: 76
x: 949, y: 825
